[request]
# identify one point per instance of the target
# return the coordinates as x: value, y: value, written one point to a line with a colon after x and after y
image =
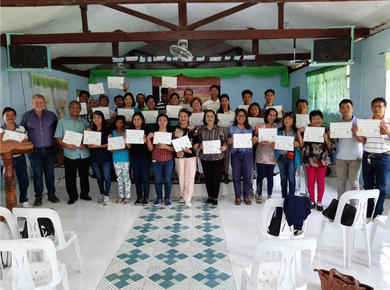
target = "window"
x: 327, y: 87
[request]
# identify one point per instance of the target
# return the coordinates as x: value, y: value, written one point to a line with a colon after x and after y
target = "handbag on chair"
x: 335, y: 280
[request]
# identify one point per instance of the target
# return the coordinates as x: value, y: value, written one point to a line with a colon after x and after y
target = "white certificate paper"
x: 341, y: 130
x: 12, y: 135
x: 92, y: 138
x: 196, y: 119
x: 115, y: 82
x: 169, y: 82
x: 135, y: 136
x: 314, y: 134
x: 104, y: 110
x: 150, y: 116
x: 96, y: 89
x: 279, y: 109
x: 173, y: 111
x: 284, y: 143
x: 84, y: 110
x: 162, y: 138
x: 225, y: 120
x: 72, y: 138
x: 212, y: 147
x: 253, y: 121
x: 180, y: 143
x: 303, y: 120
x: 267, y: 134
x: 127, y: 113
x: 116, y: 143
x: 368, y: 127
x: 245, y: 107
x: 242, y: 140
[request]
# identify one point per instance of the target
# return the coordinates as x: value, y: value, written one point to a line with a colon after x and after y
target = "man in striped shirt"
x: 376, y: 155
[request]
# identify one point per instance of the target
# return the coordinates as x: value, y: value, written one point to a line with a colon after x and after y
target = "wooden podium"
x: 7, y: 150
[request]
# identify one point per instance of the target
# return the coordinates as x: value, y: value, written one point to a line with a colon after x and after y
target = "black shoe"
x: 85, y: 197
x: 145, y: 202
x: 313, y: 205
x: 209, y: 200
x: 71, y: 201
x: 38, y: 201
x: 214, y: 202
x: 138, y: 202
x: 320, y: 207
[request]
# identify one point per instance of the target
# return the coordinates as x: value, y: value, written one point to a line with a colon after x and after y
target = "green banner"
x: 225, y: 72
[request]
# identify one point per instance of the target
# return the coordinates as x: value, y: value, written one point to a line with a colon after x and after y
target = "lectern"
x: 7, y: 150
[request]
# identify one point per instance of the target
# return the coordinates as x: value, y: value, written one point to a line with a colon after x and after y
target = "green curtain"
x: 225, y: 72
x: 327, y: 87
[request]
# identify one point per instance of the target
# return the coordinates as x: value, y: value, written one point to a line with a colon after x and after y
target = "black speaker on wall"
x: 28, y: 56
x: 332, y: 50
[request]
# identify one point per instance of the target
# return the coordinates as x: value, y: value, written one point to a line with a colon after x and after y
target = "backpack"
x: 45, y: 227
x: 276, y: 221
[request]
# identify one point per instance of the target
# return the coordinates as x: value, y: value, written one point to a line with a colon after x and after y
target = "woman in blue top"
x: 288, y: 161
x: 241, y: 158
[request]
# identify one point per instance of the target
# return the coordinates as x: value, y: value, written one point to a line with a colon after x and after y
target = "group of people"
x: 45, y: 132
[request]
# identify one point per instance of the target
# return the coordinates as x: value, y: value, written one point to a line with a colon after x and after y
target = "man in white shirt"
x: 212, y: 103
x: 188, y: 94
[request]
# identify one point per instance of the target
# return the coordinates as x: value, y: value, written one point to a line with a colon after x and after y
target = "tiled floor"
x: 171, y: 249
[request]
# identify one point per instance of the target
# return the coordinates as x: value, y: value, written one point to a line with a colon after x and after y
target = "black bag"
x: 276, y: 221
x: 45, y: 227
x: 347, y: 217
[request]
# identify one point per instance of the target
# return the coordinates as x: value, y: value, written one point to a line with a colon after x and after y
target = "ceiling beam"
x: 182, y: 12
x: 84, y: 18
x: 219, y: 15
x: 280, y: 15
x: 98, y: 37
x: 71, y: 71
x: 143, y: 16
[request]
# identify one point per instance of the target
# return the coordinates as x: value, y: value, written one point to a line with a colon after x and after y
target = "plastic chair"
x: 280, y: 273
x: 383, y: 222
x: 24, y: 274
x: 11, y: 221
x: 360, y: 223
x: 61, y: 239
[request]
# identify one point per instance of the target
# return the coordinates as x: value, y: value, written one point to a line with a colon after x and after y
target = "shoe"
x: 238, y: 201
x: 313, y: 205
x: 53, y: 198
x: 167, y: 202
x: 38, y: 201
x: 145, y: 202
x: 209, y: 200
x: 106, y: 200
x: 320, y: 207
x: 85, y: 197
x: 119, y: 200
x: 25, y: 204
x: 126, y: 200
x: 157, y: 202
x: 101, y: 198
x: 71, y: 201
x: 188, y: 203
x: 181, y: 200
x: 214, y: 202
x: 259, y: 199
x: 138, y: 202
x: 247, y: 201
x: 269, y: 196
x: 298, y: 232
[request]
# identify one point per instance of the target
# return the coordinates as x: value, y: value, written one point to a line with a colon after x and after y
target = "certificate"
x: 173, y: 111
x: 169, y: 82
x: 180, y: 143
x: 84, y: 110
x: 150, y: 116
x: 72, y: 138
x: 92, y: 138
x: 267, y: 134
x: 225, y: 120
x: 196, y: 119
x: 253, y: 121
x: 278, y: 109
x: 368, y: 127
x: 303, y: 120
x: 314, y: 134
x: 242, y: 140
x: 284, y: 143
x: 116, y: 143
x: 12, y: 135
x: 127, y: 113
x: 245, y: 107
x: 341, y: 130
x: 115, y: 82
x: 212, y: 147
x: 104, y: 110
x: 96, y: 89
x: 162, y: 138
x: 135, y: 136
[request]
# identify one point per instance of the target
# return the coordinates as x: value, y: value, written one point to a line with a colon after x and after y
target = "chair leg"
x: 373, y: 231
x: 322, y: 231
x: 78, y: 252
x: 350, y: 236
x: 368, y: 245
x: 65, y: 281
x: 344, y: 247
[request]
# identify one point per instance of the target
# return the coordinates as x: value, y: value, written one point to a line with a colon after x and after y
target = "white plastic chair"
x: 61, y: 239
x: 360, y: 223
x: 280, y: 273
x: 381, y: 220
x: 24, y: 274
x: 11, y: 222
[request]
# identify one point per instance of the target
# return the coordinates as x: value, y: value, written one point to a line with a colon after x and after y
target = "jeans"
x: 103, y: 171
x: 42, y: 162
x: 242, y: 165
x: 265, y: 170
x: 347, y: 170
x: 375, y: 175
x: 140, y: 167
x: 212, y: 173
x: 287, y: 173
x: 162, y: 174
x: 72, y: 166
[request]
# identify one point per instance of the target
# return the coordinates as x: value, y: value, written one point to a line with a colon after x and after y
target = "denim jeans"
x: 42, y: 162
x: 20, y: 168
x: 242, y: 165
x: 287, y: 173
x: 162, y: 174
x: 103, y: 171
x: 140, y: 167
x: 375, y: 176
x: 265, y: 170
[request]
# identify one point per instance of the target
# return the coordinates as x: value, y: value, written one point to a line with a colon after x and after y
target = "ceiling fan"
x: 181, y: 50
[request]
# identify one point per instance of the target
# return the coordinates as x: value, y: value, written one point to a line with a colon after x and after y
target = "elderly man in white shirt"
x: 212, y: 103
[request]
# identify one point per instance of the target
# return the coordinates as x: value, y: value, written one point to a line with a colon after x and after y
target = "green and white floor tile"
x: 172, y: 248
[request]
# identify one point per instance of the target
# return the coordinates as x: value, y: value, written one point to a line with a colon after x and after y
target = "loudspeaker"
x: 332, y: 50
x: 28, y: 56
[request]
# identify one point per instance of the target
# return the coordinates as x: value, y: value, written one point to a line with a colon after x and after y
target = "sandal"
x: 238, y: 201
x: 259, y: 199
x: 126, y: 200
x: 119, y: 200
x: 247, y: 201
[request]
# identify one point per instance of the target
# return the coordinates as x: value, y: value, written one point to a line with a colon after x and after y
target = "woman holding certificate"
x: 185, y: 160
x: 316, y: 157
x: 242, y: 156
x: 162, y: 159
x: 211, y: 154
x: 265, y: 154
